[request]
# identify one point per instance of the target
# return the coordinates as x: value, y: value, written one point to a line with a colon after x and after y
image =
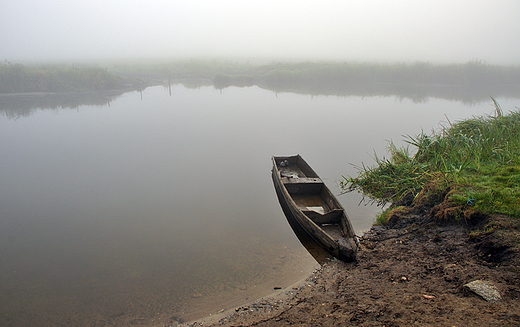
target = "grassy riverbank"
x: 17, y: 78
x: 468, y: 170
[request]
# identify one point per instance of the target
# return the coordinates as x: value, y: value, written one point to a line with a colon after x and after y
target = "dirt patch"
x: 411, y: 271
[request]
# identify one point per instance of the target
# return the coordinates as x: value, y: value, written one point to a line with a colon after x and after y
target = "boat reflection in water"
x: 318, y: 253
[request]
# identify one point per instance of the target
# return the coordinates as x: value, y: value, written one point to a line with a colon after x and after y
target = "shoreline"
x: 277, y: 298
x: 412, y: 271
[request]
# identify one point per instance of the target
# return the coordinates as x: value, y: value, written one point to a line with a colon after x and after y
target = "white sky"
x: 362, y: 30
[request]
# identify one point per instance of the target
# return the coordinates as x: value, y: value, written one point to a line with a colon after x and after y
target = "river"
x: 150, y: 207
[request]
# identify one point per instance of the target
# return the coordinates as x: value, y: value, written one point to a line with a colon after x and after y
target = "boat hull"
x: 305, y: 198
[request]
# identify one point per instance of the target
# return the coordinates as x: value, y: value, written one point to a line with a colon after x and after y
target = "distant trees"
x: 420, y: 73
x: 417, y: 81
x: 17, y: 78
x: 331, y: 75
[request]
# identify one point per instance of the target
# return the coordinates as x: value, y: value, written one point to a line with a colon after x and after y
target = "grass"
x: 473, y: 164
x: 385, y: 215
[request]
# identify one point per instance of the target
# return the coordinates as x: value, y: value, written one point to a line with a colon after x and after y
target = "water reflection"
x: 15, y: 106
x: 417, y: 93
x: 22, y: 105
x: 318, y: 253
x: 164, y: 207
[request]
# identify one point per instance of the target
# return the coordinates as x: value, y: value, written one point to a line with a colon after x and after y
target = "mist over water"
x: 163, y: 206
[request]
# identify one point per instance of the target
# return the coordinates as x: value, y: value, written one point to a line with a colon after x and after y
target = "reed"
x: 477, y: 159
x: 17, y: 78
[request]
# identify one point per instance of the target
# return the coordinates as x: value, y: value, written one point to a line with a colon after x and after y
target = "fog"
x: 403, y: 30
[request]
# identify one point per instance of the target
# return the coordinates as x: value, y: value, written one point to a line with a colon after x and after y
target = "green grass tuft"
x: 478, y: 159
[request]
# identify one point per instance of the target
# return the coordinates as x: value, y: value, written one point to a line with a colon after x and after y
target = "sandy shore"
x: 412, y: 272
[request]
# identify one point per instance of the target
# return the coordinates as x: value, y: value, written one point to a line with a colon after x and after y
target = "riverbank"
x: 453, y: 223
x: 470, y: 83
x: 18, y: 78
x: 410, y: 271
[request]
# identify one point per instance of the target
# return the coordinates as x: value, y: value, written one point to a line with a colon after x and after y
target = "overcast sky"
x: 362, y: 30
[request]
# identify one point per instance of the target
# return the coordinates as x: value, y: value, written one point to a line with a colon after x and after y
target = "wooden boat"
x: 304, y: 196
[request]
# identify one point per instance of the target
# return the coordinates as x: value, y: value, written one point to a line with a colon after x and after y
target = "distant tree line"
x: 474, y: 73
x: 17, y: 78
x: 331, y: 75
x: 471, y: 81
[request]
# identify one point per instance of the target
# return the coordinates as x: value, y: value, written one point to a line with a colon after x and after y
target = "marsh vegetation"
x: 466, y: 171
x: 470, y: 83
x: 18, y: 78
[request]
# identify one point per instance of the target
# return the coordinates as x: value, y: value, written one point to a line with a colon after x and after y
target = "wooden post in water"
x: 169, y: 85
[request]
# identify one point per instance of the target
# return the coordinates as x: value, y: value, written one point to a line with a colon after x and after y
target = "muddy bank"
x: 410, y: 272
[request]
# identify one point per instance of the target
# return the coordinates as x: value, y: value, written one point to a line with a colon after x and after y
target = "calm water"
x: 158, y: 207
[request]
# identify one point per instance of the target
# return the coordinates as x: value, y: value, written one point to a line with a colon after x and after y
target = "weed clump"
x: 467, y: 169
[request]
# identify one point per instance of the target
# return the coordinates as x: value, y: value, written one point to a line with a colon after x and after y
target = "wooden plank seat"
x: 301, y: 180
x: 331, y: 217
x: 303, y: 185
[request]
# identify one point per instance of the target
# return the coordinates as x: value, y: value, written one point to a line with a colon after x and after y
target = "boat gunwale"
x: 336, y: 246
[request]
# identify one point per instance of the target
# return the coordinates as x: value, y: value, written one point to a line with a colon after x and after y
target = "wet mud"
x: 409, y: 272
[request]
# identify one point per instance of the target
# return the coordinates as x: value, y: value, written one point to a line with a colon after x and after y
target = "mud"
x: 409, y: 272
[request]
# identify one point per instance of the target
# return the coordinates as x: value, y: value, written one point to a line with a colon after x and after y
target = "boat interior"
x: 309, y: 192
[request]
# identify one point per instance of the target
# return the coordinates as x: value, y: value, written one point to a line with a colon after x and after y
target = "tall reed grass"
x: 17, y: 78
x: 478, y: 159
